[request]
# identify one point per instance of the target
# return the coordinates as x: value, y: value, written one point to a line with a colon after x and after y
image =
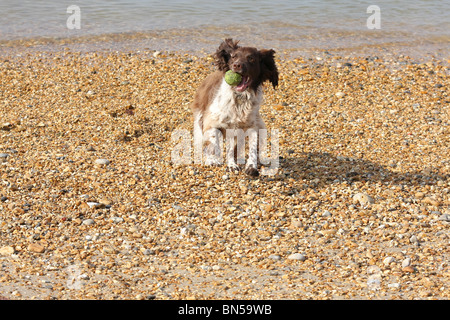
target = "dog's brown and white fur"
x: 218, y: 106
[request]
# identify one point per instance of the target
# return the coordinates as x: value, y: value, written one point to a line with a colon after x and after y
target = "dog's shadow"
x: 325, y: 168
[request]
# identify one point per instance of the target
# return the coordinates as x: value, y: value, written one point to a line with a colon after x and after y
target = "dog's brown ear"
x: 223, y: 53
x: 269, y: 69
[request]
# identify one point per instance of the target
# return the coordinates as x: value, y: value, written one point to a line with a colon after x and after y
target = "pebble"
x: 363, y: 199
x: 148, y: 252
x: 95, y: 205
x: 406, y: 262
x: 274, y: 257
x: 106, y: 202
x: 340, y: 94
x: 388, y: 260
x: 296, y: 224
x: 102, y: 162
x: 35, y: 247
x: 88, y: 222
x: 373, y: 270
x: 409, y: 269
x: 7, y: 250
x: 3, y: 156
x: 297, y: 256
x: 326, y: 214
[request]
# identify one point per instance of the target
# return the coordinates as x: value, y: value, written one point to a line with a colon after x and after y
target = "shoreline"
x: 198, y: 42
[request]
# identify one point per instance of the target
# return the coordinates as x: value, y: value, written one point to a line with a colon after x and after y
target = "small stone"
x: 419, y: 195
x: 84, y: 276
x: 388, y: 260
x: 274, y: 257
x: 406, y: 262
x: 36, y: 247
x: 394, y: 285
x: 297, y: 256
x: 363, y: 199
x: 373, y: 270
x: 326, y: 214
x: 148, y: 252
x: 445, y: 217
x: 225, y: 177
x: 3, y: 157
x: 95, y: 205
x: 6, y: 251
x: 108, y: 249
x: 88, y: 222
x: 106, y: 202
x: 117, y: 219
x: 102, y: 162
x: 133, y: 229
x: 413, y: 239
x: 409, y: 269
x: 340, y: 94
x: 296, y: 224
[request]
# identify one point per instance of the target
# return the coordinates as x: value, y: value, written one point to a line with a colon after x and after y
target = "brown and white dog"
x: 218, y: 107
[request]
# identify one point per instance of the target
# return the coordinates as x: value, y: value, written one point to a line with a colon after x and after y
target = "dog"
x: 219, y: 107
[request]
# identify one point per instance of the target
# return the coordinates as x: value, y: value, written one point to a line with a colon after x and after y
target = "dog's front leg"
x: 251, y: 167
x: 213, y: 147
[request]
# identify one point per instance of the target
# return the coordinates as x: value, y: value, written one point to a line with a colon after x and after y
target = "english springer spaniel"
x: 220, y: 109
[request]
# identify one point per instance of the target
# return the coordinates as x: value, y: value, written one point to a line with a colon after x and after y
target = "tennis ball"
x: 232, y: 78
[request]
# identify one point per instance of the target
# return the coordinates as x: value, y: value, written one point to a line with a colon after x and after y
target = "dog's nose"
x: 237, y: 65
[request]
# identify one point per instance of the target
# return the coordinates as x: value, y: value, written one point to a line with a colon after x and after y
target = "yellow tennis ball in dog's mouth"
x: 232, y: 78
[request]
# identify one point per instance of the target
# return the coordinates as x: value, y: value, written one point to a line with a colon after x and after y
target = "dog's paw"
x: 233, y: 167
x: 211, y: 161
x: 252, y: 171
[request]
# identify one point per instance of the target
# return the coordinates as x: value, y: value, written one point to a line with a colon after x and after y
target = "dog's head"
x: 255, y: 66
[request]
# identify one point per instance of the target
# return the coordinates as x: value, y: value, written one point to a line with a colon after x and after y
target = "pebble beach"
x: 93, y: 207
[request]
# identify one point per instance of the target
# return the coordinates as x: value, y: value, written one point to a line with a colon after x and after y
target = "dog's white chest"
x: 230, y: 109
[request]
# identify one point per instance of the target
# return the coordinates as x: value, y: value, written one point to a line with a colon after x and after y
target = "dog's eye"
x: 251, y: 59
